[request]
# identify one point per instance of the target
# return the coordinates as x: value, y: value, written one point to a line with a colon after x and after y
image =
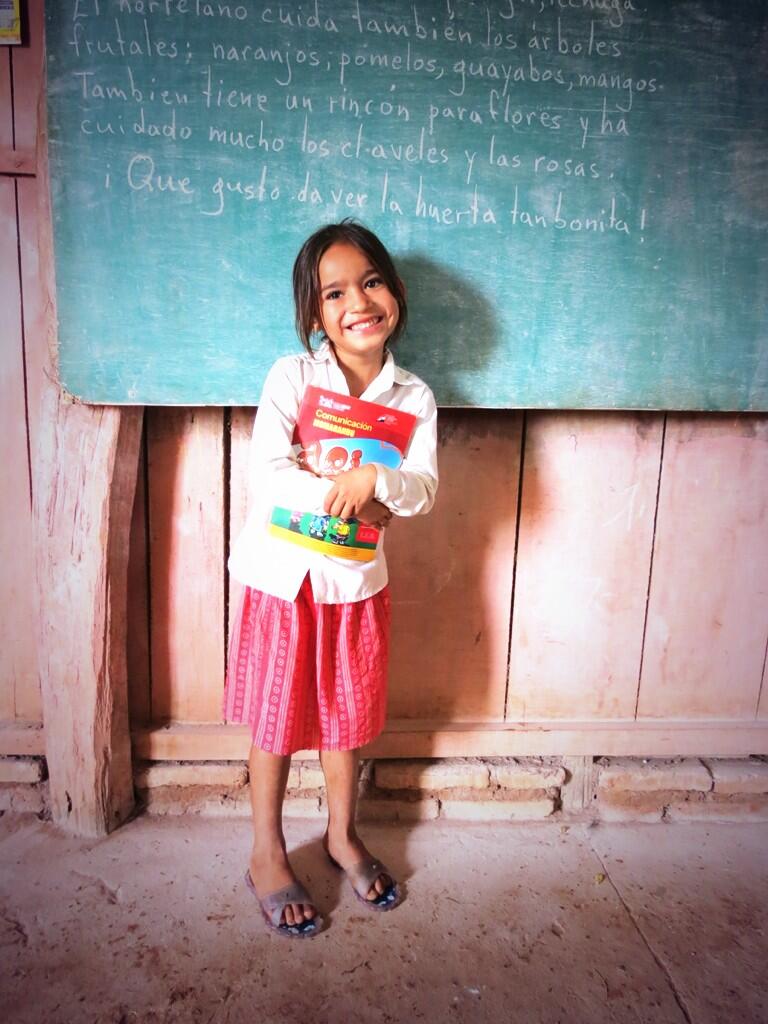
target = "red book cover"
x: 335, y: 433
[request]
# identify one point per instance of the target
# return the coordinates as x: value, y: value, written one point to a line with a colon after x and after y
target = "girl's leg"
x: 341, y: 770
x: 269, y: 865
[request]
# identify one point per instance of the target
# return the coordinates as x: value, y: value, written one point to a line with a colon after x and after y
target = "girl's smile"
x: 357, y: 309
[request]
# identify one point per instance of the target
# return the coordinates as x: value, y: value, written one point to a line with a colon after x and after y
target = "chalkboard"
x: 575, y: 192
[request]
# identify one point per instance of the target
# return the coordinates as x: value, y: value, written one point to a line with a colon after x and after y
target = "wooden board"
x: 6, y: 106
x: 241, y: 427
x: 708, y: 607
x: 19, y: 687
x: 451, y: 576
x: 27, y: 63
x: 586, y: 532
x: 715, y: 738
x: 139, y: 668
x: 186, y: 536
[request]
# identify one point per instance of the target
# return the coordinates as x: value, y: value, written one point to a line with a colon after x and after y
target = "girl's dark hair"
x: 306, y: 276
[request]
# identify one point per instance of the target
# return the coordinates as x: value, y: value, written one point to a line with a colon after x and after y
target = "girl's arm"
x: 274, y: 474
x: 407, y: 491
x: 410, y: 490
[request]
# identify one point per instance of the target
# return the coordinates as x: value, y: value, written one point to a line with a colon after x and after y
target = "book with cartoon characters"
x: 335, y: 433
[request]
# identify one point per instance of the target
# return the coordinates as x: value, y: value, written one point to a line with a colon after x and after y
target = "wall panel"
x: 451, y: 576
x: 586, y: 529
x: 186, y: 536
x: 708, y: 607
x: 6, y: 104
x: 241, y: 426
x: 19, y: 689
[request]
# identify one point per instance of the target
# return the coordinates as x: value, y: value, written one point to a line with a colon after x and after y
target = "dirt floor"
x: 535, y: 923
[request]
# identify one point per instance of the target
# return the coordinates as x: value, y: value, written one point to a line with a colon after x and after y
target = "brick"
x: 294, y: 777
x: 526, y: 775
x: 752, y: 807
x: 304, y: 807
x: 651, y: 774
x: 742, y: 775
x: 311, y: 776
x: 447, y: 774
x: 21, y: 798
x: 21, y: 769
x: 618, y: 805
x: 372, y: 809
x: 497, y: 810
x: 205, y: 773
x: 173, y: 800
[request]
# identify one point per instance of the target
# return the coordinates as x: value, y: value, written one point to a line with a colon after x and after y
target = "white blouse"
x: 276, y: 567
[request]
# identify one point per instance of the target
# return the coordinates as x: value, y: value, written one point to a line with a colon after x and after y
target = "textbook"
x: 335, y: 433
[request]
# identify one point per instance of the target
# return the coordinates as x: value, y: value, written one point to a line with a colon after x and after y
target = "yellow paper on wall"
x: 10, y: 22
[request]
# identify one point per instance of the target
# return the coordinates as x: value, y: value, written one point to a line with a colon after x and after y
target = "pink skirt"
x: 308, y: 676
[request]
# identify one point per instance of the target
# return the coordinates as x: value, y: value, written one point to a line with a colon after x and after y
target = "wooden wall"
x: 588, y: 583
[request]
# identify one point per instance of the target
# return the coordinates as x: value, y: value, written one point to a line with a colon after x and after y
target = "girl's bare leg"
x: 341, y: 770
x: 269, y: 865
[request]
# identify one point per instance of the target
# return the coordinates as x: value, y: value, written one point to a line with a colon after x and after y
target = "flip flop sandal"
x: 273, y: 905
x: 362, y: 876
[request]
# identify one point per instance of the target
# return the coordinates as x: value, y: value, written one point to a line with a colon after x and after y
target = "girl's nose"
x: 359, y: 299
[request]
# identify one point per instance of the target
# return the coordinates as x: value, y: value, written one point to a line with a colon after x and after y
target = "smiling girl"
x: 310, y: 641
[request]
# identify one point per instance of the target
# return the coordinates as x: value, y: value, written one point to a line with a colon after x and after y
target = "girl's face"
x: 358, y: 310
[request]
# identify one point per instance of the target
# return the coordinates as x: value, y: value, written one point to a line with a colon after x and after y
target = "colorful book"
x: 335, y: 433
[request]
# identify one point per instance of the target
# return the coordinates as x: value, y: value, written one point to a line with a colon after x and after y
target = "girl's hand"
x: 375, y: 514
x: 351, y: 491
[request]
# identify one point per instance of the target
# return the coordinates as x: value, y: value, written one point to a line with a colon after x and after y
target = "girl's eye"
x: 334, y: 294
x: 373, y: 282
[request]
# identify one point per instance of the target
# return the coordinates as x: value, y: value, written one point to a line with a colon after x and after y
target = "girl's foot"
x: 271, y: 871
x: 349, y: 849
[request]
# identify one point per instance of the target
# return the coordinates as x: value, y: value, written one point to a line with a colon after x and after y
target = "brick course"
x: 430, y: 775
x: 470, y: 789
x: 649, y: 774
x: 738, y: 775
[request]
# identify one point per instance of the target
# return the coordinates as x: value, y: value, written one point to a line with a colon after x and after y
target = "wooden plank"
x: 38, y: 289
x: 19, y: 688
x: 85, y: 474
x: 30, y: 192
x: 139, y: 696
x: 186, y: 531
x: 241, y: 427
x: 6, y: 107
x: 451, y: 576
x: 708, y: 604
x: 589, y: 491
x: 27, y: 68
x: 409, y: 738
x: 84, y: 463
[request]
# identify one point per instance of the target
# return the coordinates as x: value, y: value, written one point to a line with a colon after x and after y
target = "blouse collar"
x: 389, y: 374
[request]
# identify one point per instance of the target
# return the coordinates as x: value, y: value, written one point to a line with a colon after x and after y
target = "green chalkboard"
x: 575, y: 191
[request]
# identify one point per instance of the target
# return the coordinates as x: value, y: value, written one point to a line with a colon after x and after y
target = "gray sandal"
x: 274, y: 904
x: 362, y: 876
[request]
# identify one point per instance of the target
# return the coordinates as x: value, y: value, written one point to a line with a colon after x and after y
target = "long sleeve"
x: 410, y: 490
x: 274, y: 475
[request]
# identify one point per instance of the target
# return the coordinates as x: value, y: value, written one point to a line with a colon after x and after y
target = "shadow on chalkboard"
x: 452, y: 330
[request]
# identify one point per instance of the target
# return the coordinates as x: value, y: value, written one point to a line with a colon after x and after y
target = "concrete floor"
x: 540, y: 923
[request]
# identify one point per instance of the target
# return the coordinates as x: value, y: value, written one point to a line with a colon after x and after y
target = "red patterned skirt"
x: 308, y: 676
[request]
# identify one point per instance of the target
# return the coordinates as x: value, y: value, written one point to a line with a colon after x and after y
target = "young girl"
x: 308, y: 656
